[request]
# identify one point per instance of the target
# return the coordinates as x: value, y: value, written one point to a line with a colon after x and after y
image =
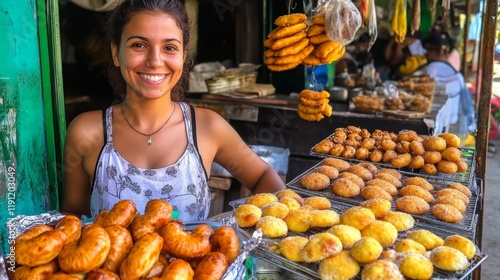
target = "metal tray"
x: 468, y: 155
x: 466, y: 226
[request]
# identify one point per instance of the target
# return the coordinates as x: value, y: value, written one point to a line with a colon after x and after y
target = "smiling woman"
x: 151, y: 144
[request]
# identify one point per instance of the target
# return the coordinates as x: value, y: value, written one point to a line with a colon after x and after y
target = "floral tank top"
x: 183, y: 184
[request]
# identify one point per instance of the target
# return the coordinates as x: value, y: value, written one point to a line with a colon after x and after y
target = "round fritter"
x: 275, y: 209
x: 447, y: 167
x: 391, y: 171
x: 341, y: 266
x: 318, y: 202
x: 451, y: 139
x: 400, y: 220
x: 320, y: 246
x: 448, y: 258
x: 272, y: 227
x: 330, y: 171
x: 315, y: 181
x: 463, y: 244
x: 287, y: 192
x: 432, y: 157
x: 348, y: 235
x: 419, y: 181
x: 402, y: 160
x: 352, y: 177
x: 376, y: 155
x: 430, y: 169
x: 247, y: 215
x: 384, y: 232
x: 389, y: 178
x: 291, y: 246
x: 403, y: 147
x: 261, y: 199
x: 417, y: 162
x: 388, y: 144
x: 425, y: 237
x: 416, y: 266
x: 370, y: 192
x: 462, y: 165
x: 323, y: 147
x: 345, y: 188
x: 370, y: 166
x: 460, y: 187
x: 292, y: 203
x: 362, y: 153
x: 337, y: 150
x: 358, y: 217
x: 434, y: 143
x: 362, y: 172
x: 451, y: 200
x: 412, y: 204
x: 451, y: 154
x: 390, y: 255
x: 366, y: 250
x: 453, y: 192
x: 409, y: 245
x: 389, y: 155
x: 368, y: 143
x: 298, y: 220
x: 349, y: 152
x: 417, y: 191
x: 408, y: 135
x: 381, y: 270
x: 339, y: 164
x: 324, y: 218
x: 417, y: 148
x: 388, y: 187
x: 379, y: 206
x: 447, y: 213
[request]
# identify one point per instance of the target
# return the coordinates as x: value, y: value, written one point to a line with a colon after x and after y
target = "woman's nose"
x: 154, y: 58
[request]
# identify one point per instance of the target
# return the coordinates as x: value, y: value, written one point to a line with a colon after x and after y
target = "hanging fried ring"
x: 310, y: 109
x: 281, y: 67
x: 291, y: 19
x: 314, y: 95
x: 293, y: 49
x: 288, y: 41
x: 288, y: 31
x: 310, y: 117
x: 315, y: 29
x: 313, y: 102
x: 318, y: 39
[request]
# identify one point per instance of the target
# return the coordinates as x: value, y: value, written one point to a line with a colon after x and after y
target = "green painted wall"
x: 26, y: 187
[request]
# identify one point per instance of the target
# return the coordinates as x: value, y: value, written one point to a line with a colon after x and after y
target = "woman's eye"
x: 170, y: 48
x: 138, y: 45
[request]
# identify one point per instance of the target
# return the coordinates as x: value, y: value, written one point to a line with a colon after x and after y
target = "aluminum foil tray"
x: 467, y: 226
x: 467, y: 177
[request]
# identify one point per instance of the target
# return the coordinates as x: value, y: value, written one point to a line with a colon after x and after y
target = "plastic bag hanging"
x: 372, y: 23
x: 342, y: 21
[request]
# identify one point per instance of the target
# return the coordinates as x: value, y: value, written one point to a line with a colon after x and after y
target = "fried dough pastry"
x: 416, y: 266
x: 272, y: 227
x: 345, y: 188
x: 453, y: 192
x: 381, y: 270
x: 384, y: 232
x: 412, y: 204
x: 311, y: 110
x: 318, y: 202
x: 275, y: 209
x: 39, y: 272
x: 330, y: 171
x: 298, y: 220
x: 366, y: 250
x: 353, y: 178
x: 225, y: 240
x: 368, y: 143
x: 419, y: 181
x: 340, y: 164
x: 99, y: 274
x: 269, y: 43
x: 463, y: 244
x: 212, y: 267
x: 447, y: 213
x: 400, y: 220
x: 376, y: 155
x: 448, y: 258
x: 388, y: 187
x: 389, y: 155
x: 71, y: 226
x: 158, y: 268
x: 39, y: 245
x: 318, y: 39
x: 157, y: 213
x: 401, y: 160
x: 121, y: 244
x: 451, y: 154
x: 291, y: 246
x: 289, y: 193
x: 337, y: 150
x: 292, y: 203
x: 288, y: 41
x: 247, y: 215
x: 283, y: 67
x: 362, y: 154
x: 451, y: 139
x: 417, y: 191
x: 432, y: 157
x: 453, y: 201
x: 358, y: 217
x: 403, y: 147
x: 434, y: 143
x: 408, y: 135
x: 370, y: 192
x: 447, y: 167
x: 88, y: 253
x: 315, y: 181
x: 392, y: 172
x: 339, y: 266
x: 417, y: 162
x: 389, y: 178
x: 261, y: 199
x: 362, y: 172
x: 349, y: 152
x: 324, y: 146
x: 461, y: 188
x: 290, y: 19
x: 430, y: 168
x: 320, y: 246
x: 319, y: 19
x: 315, y: 29
x: 425, y: 237
x: 178, y: 269
x: 121, y: 214
x: 370, y: 167
x: 379, y: 206
x: 417, y: 148
x: 348, y: 235
x: 409, y: 245
x: 324, y: 218
x: 388, y: 144
x: 183, y: 244
x: 288, y: 31
x: 60, y: 276
x: 462, y: 165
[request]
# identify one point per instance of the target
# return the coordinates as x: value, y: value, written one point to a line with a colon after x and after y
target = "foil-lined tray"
x: 466, y: 226
x: 467, y: 177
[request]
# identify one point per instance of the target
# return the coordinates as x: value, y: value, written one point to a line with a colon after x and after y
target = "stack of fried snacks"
x: 287, y: 44
x: 325, y: 50
x: 314, y: 105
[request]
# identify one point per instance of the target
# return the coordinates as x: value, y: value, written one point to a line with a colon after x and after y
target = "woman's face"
x: 150, y: 56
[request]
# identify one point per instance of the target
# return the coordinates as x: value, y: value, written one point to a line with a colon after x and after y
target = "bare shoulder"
x: 86, y: 129
x: 209, y: 118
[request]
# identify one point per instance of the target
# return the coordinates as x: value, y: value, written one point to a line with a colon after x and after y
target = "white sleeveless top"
x: 183, y: 184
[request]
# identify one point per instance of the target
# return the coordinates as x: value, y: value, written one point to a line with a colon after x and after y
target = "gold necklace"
x: 150, y: 140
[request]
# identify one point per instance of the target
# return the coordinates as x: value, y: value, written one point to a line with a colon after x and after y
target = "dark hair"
x: 437, y: 42
x: 121, y: 16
